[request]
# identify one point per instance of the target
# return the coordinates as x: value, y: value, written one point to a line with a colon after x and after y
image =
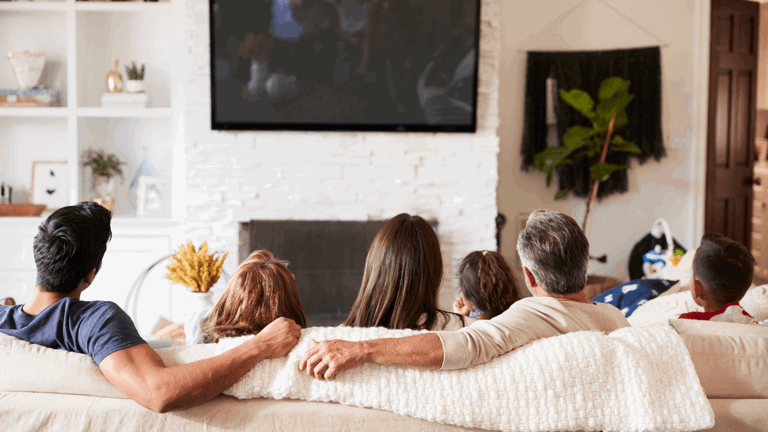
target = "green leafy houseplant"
x: 103, y: 165
x: 134, y: 72
x: 595, y: 142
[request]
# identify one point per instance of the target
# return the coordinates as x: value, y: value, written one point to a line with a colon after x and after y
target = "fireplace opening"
x: 327, y: 257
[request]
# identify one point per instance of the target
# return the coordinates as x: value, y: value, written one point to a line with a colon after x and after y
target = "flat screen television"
x: 350, y: 65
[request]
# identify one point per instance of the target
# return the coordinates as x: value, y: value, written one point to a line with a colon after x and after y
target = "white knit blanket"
x: 634, y: 379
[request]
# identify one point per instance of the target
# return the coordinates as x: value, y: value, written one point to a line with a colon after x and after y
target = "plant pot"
x: 105, y: 190
x: 135, y: 86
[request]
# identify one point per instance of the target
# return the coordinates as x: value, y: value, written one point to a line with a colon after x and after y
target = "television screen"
x: 357, y: 65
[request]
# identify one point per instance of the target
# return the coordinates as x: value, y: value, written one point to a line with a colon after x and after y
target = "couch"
x: 50, y: 390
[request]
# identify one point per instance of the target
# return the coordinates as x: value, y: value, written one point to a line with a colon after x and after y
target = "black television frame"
x: 218, y: 125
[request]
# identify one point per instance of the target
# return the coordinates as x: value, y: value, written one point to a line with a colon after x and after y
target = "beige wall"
x: 671, y: 188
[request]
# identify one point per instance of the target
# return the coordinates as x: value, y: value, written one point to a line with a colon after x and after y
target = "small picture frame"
x: 154, y: 197
x: 50, y: 184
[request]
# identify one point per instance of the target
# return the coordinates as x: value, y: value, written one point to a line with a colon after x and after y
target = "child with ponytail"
x: 487, y: 285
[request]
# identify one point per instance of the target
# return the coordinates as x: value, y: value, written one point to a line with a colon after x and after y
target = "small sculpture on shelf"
x: 114, y: 79
x: 135, y: 83
x: 105, y: 169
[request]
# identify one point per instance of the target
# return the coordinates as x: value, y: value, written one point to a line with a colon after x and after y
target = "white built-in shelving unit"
x: 79, y: 38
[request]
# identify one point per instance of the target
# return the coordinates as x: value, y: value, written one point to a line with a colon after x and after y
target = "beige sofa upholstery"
x: 51, y: 390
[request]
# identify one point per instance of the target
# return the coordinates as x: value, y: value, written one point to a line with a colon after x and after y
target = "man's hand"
x: 326, y: 359
x: 279, y: 337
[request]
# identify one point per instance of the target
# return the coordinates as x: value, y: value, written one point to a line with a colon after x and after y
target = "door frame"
x: 699, y: 120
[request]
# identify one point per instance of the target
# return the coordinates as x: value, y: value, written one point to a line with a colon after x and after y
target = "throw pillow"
x: 755, y: 302
x: 629, y: 296
x: 662, y: 309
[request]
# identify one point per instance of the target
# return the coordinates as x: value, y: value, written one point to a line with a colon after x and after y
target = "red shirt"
x: 732, y: 312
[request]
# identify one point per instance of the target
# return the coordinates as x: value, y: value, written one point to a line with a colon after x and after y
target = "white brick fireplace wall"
x: 236, y: 177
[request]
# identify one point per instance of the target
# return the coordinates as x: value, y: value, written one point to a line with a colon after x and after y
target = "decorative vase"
x: 27, y: 68
x: 135, y: 86
x: 195, y: 301
x: 145, y: 169
x: 114, y: 79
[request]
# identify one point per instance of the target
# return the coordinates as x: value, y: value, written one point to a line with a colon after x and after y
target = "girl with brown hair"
x: 401, y: 280
x: 261, y: 290
x: 487, y: 285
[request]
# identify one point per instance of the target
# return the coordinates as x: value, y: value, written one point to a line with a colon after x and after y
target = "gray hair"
x: 555, y: 250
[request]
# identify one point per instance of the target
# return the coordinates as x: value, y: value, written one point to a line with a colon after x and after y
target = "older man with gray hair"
x: 554, y: 253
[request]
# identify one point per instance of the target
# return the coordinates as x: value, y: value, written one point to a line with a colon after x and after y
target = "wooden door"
x: 760, y: 214
x: 732, y: 109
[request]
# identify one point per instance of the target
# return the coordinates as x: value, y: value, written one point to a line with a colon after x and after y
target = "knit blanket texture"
x: 633, y: 379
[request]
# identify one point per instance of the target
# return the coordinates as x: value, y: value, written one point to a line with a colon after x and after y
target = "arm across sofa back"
x: 34, y: 368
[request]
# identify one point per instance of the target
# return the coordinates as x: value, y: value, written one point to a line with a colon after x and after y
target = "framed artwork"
x: 154, y: 197
x: 50, y: 183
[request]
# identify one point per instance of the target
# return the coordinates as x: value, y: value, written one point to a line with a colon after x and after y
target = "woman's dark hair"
x: 70, y: 243
x: 261, y: 290
x: 487, y: 280
x: 402, y: 277
x: 724, y: 266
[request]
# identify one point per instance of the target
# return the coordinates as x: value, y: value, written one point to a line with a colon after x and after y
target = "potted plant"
x: 135, y: 83
x: 105, y: 169
x: 593, y: 143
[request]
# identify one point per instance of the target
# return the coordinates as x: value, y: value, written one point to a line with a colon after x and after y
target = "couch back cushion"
x: 730, y: 359
x: 45, y: 370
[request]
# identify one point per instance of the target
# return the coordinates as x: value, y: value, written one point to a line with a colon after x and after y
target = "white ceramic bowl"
x: 27, y: 68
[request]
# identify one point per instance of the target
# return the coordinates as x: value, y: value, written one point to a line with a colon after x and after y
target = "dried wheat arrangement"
x: 196, y: 269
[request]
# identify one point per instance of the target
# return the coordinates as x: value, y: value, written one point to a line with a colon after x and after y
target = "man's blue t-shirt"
x: 95, y: 328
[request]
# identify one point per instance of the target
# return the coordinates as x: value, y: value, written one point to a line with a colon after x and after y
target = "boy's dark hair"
x: 70, y: 243
x: 725, y: 268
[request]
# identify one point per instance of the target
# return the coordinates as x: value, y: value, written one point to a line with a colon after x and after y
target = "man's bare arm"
x: 326, y: 359
x: 140, y: 373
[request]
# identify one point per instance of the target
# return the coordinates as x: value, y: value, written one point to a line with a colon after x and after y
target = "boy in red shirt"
x: 722, y: 273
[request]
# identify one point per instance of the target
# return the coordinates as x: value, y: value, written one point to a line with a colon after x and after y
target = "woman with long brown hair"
x: 487, y: 285
x: 402, y: 277
x: 261, y: 290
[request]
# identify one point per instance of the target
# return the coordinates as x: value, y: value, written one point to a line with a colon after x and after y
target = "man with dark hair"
x: 68, y: 249
x: 554, y: 253
x: 722, y: 274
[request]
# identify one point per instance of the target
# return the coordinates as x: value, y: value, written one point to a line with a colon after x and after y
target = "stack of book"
x: 124, y: 100
x: 29, y: 98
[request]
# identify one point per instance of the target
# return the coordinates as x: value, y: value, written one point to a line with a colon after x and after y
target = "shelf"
x: 124, y: 112
x: 33, y: 6
x: 123, y: 6
x: 33, y: 112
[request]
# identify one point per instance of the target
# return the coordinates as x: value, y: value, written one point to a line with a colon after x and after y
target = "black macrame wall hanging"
x: 585, y: 70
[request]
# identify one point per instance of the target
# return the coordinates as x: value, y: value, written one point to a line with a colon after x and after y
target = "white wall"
x: 236, y: 177
x: 671, y: 188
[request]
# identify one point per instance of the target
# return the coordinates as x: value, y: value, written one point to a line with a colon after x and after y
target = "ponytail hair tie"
x: 485, y: 253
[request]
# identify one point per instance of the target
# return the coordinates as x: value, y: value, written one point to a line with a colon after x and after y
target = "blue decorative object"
x: 629, y: 296
x: 145, y: 169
